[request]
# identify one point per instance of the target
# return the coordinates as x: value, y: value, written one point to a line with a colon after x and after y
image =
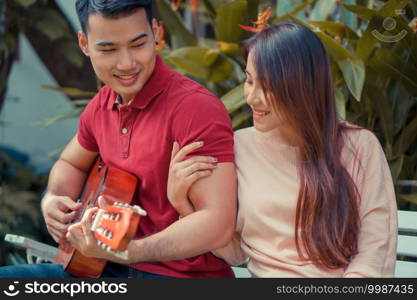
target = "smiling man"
x: 132, y: 123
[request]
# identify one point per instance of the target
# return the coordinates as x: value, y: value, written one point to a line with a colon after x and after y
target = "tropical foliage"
x: 372, y: 46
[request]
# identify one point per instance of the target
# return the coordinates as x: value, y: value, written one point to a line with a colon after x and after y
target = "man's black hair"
x: 111, y: 9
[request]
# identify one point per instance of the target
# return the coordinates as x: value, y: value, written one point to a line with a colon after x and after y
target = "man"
x: 132, y: 124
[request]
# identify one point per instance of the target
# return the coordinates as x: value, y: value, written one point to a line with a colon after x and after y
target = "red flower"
x: 261, y: 23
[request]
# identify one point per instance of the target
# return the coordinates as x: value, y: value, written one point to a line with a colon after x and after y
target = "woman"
x: 316, y: 197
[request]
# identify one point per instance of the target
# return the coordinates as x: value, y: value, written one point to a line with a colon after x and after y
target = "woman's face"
x: 264, y: 117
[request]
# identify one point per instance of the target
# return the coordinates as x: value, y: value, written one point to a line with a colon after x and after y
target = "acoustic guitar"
x: 113, y: 227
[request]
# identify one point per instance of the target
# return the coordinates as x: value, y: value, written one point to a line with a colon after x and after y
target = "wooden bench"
x: 406, y: 247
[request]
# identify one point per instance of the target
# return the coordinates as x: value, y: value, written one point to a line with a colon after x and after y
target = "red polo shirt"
x: 138, y: 138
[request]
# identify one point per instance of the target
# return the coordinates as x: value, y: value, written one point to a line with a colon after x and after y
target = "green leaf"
x: 241, y: 118
x: 391, y: 7
x: 71, y: 52
x: 408, y: 137
x: 373, y: 35
x: 203, y: 56
x: 231, y: 49
x: 25, y: 3
x: 205, y: 63
x: 52, y: 25
x: 353, y: 71
x: 234, y: 99
x: 253, y: 7
x: 412, y: 198
x: 383, y: 108
x: 189, y: 67
x: 228, y: 18
x: 396, y: 166
x: 70, y: 92
x: 220, y: 70
x: 216, y: 3
x: 402, y: 102
x: 48, y: 122
x: 334, y: 48
x: 361, y: 11
x: 336, y: 28
x: 209, y: 7
x: 368, y: 42
x: 340, y: 103
x: 180, y: 36
x: 393, y: 66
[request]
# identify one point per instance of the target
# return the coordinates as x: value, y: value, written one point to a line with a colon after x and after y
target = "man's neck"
x: 122, y: 101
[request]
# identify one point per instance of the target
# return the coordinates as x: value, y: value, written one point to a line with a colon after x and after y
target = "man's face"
x: 122, y: 51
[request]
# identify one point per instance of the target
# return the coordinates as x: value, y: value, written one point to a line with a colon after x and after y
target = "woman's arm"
x: 183, y: 173
x: 378, y: 213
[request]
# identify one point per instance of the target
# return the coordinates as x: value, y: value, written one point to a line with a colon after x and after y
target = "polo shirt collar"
x: 156, y: 84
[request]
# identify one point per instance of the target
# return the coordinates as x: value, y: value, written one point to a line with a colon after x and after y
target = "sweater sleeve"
x: 378, y: 214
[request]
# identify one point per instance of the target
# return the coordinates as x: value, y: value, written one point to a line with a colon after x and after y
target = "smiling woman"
x: 315, y: 194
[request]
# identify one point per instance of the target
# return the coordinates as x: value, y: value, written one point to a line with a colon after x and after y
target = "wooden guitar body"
x: 114, y: 185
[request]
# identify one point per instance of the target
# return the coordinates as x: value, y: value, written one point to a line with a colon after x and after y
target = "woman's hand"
x: 184, y: 172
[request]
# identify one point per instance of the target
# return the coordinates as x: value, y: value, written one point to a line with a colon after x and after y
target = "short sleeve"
x: 202, y: 117
x: 378, y: 213
x: 86, y: 129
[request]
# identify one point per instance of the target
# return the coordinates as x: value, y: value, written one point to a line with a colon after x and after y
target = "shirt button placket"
x: 125, y: 135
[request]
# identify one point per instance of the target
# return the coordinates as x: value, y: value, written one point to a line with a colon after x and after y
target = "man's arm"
x: 65, y: 183
x: 210, y: 227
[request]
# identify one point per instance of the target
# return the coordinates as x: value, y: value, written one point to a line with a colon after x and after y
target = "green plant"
x: 375, y: 79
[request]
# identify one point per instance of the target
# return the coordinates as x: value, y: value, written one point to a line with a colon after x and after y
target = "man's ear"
x: 82, y: 42
x: 155, y: 29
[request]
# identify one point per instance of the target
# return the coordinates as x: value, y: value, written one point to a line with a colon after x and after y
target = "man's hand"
x: 58, y: 211
x: 82, y: 238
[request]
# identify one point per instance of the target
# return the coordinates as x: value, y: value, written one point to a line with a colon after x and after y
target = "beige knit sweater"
x: 268, y: 189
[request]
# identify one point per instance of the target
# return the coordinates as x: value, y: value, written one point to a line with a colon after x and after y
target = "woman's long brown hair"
x: 294, y: 71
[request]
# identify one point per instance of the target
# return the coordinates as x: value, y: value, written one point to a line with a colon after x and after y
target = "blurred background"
x: 45, y: 81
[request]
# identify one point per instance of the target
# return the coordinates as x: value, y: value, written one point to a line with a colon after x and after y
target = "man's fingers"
x: 66, y: 203
x: 61, y: 216
x: 56, y: 235
x: 181, y: 154
x: 86, y: 224
x: 56, y: 225
x: 103, y: 202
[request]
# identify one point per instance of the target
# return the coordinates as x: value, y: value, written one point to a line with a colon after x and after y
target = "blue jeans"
x: 48, y: 270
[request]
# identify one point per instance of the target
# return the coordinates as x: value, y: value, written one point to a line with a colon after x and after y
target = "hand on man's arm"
x: 210, y: 227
